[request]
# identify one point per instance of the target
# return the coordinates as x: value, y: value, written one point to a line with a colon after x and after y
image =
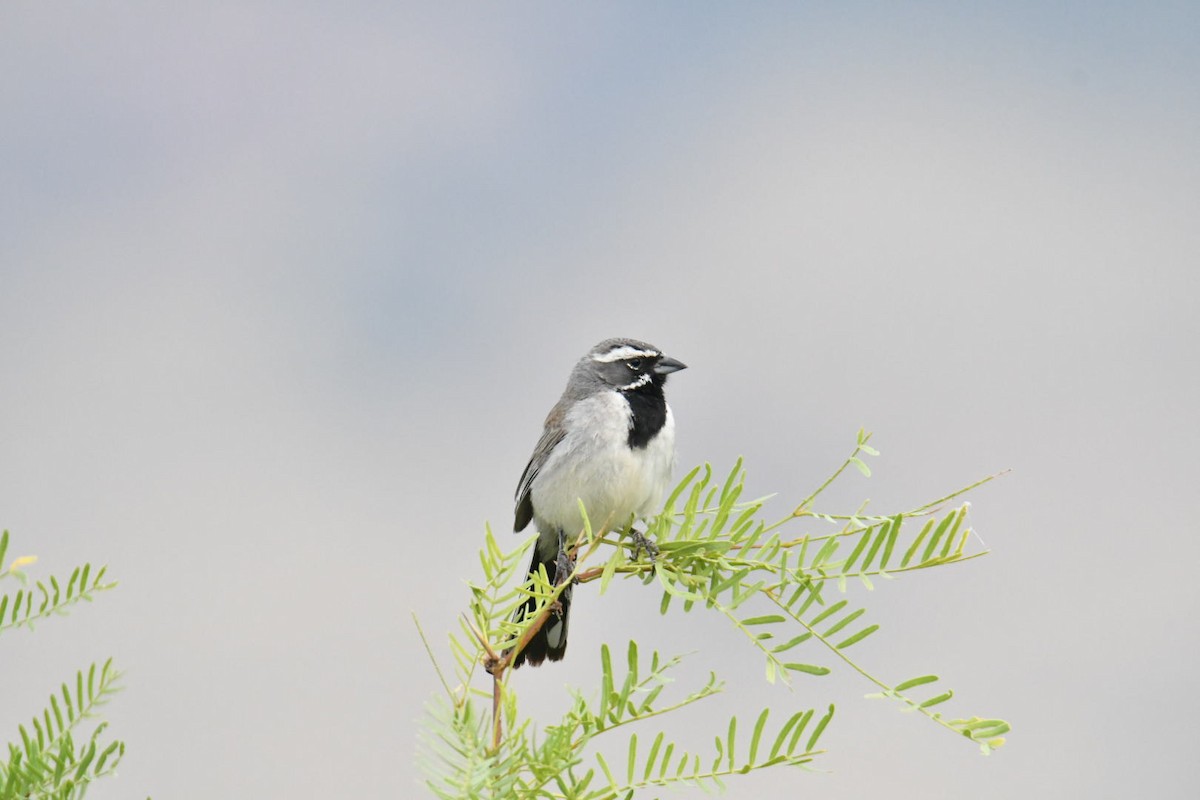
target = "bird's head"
x: 629, y: 364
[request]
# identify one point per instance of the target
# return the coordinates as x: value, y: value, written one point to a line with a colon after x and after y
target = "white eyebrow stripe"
x: 623, y: 352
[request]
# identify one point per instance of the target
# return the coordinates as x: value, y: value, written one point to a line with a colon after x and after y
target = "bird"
x: 609, y: 442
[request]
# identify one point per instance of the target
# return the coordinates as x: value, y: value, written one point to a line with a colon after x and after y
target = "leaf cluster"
x: 566, y: 761
x: 65, y: 747
x: 787, y: 585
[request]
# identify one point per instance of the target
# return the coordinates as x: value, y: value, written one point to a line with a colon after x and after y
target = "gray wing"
x: 552, y: 434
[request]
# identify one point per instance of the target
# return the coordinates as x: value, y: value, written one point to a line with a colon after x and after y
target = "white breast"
x: 594, y: 463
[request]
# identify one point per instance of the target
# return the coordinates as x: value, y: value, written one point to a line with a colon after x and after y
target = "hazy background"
x: 286, y: 290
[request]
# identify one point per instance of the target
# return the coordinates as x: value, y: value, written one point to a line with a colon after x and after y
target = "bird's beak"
x: 666, y: 366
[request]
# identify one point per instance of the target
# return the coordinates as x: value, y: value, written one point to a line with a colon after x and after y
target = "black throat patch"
x: 649, y: 412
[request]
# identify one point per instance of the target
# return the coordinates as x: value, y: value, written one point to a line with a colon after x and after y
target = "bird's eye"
x: 634, y: 364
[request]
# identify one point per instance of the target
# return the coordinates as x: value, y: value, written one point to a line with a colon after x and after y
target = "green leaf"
x: 916, y: 543
x: 858, y: 548
x: 982, y: 728
x: 652, y: 756
x: 744, y: 592
x: 610, y: 569
x: 828, y: 612
x: 669, y: 579
x: 732, y: 734
x: 754, y: 739
x: 666, y: 760
x: 113, y: 747
x: 606, y: 682
x: 937, y: 535
x: 825, y: 553
x: 733, y: 580
x: 682, y: 485
x: 953, y: 534
x: 790, y: 643
x: 877, y: 542
x: 810, y: 669
x: 941, y: 698
x: 695, y: 547
x: 781, y: 737
x: 892, y: 535
x: 799, y: 730
x: 844, y: 621
x: 913, y: 682
x: 604, y: 768
x: 816, y: 734
x: 858, y: 637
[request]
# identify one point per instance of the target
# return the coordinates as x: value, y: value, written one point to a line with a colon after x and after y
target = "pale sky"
x: 286, y: 291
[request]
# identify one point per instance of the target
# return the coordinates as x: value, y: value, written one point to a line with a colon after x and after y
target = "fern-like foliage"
x: 788, y: 591
x: 49, y: 762
x: 57, y: 756
x: 47, y: 598
x: 462, y: 762
x: 635, y: 698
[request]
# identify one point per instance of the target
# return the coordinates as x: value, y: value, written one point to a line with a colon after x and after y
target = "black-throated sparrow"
x: 610, y: 442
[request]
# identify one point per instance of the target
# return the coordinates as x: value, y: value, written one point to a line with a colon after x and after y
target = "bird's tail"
x: 550, y: 642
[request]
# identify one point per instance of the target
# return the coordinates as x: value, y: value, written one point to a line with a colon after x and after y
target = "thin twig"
x: 801, y: 509
x: 961, y: 491
x: 429, y: 650
x: 497, y: 717
x: 494, y: 663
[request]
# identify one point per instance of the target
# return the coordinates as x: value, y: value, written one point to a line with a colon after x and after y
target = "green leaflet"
x: 810, y: 669
x: 914, y: 682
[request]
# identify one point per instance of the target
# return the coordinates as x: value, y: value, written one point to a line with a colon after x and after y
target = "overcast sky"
x: 286, y: 290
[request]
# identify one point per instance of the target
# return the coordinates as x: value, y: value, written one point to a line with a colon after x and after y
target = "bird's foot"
x: 564, y: 565
x: 640, y: 543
